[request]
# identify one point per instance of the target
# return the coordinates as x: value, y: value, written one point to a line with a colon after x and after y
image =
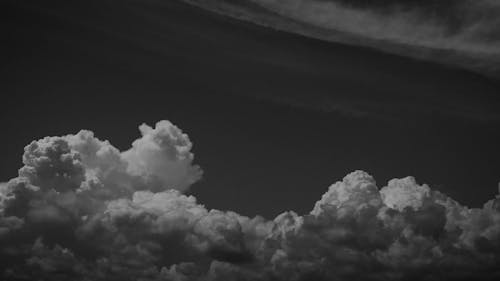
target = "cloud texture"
x: 459, y: 32
x: 82, y: 210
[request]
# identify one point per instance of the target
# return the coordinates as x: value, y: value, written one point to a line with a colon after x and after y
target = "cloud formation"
x: 459, y: 32
x: 82, y: 210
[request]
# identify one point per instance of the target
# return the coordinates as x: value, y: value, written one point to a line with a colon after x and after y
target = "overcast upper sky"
x: 330, y: 156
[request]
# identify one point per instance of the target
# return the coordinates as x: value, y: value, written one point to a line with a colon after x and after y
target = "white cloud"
x: 164, y: 153
x: 78, y: 211
x: 402, y: 193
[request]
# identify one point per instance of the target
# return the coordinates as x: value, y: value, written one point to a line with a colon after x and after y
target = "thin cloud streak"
x: 464, y: 33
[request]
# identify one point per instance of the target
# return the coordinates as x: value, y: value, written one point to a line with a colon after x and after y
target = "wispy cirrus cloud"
x: 458, y: 32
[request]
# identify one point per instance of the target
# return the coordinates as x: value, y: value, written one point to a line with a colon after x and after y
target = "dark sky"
x: 275, y: 118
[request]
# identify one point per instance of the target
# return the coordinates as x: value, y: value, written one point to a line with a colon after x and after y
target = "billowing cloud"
x: 163, y: 153
x: 82, y: 210
x: 459, y: 32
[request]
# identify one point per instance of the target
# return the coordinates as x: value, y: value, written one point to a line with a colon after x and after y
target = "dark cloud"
x: 82, y: 210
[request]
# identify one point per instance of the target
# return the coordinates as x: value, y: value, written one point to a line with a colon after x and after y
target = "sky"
x: 209, y: 136
x: 457, y: 32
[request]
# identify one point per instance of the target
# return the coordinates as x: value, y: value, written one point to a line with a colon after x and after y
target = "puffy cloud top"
x: 164, y: 153
x: 402, y: 193
x: 82, y: 210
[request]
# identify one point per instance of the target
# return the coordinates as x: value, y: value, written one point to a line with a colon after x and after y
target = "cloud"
x: 163, y: 148
x: 459, y: 32
x: 82, y: 210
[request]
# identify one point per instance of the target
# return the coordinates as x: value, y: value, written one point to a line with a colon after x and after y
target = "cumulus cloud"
x: 164, y: 153
x: 82, y: 210
x: 459, y: 32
